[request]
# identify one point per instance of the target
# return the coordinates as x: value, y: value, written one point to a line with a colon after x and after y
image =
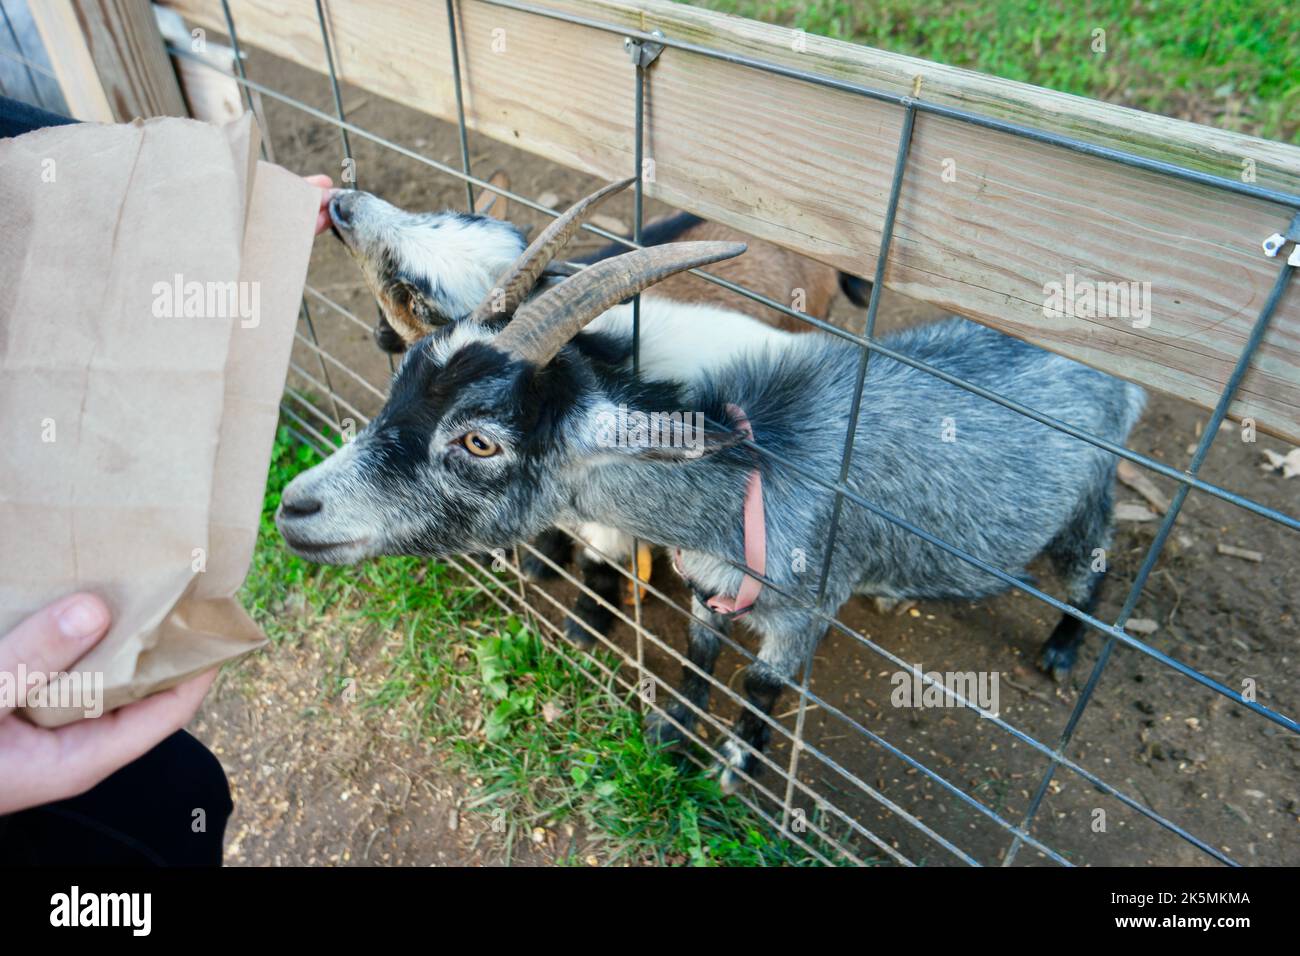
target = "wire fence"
x: 833, y: 833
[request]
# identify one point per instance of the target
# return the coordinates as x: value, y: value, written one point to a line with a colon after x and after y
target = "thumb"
x: 54, y: 638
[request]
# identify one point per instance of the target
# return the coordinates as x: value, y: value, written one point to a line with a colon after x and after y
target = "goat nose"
x: 299, y: 506
x: 341, y: 208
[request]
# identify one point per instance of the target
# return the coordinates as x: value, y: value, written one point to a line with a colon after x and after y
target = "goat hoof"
x: 578, y: 635
x: 659, y: 730
x: 729, y: 782
x: 732, y: 762
x: 1056, y: 663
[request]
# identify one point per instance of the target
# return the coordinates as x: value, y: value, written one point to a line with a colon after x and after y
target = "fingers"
x: 28, y: 762
x: 325, y: 184
x: 54, y: 638
x: 90, y: 750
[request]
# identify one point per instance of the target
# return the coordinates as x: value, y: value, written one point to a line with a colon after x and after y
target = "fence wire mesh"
x: 834, y: 832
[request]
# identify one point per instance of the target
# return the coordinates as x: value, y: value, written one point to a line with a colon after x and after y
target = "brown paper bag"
x: 148, y: 297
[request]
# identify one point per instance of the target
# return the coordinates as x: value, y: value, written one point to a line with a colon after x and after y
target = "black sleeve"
x: 17, y: 118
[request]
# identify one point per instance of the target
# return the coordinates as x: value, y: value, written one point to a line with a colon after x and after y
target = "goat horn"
x: 543, y: 325
x: 517, y: 282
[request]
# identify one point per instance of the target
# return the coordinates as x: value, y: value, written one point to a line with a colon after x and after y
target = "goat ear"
x: 710, y: 443
x: 682, y: 437
x: 421, y: 311
x: 407, y: 317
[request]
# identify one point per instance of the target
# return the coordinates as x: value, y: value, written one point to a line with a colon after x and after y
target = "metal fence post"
x: 643, y: 54
x: 460, y: 104
x: 850, y: 435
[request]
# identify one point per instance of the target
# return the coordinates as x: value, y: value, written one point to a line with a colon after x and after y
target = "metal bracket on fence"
x: 1275, y: 243
x: 644, y: 52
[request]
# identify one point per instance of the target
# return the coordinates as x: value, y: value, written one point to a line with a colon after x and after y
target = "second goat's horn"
x: 543, y: 325
x: 515, y: 284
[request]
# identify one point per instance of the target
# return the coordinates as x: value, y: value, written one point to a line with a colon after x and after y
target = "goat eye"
x: 478, y: 444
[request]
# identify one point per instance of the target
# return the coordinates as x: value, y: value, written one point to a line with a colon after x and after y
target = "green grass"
x: 549, y: 741
x: 1231, y: 63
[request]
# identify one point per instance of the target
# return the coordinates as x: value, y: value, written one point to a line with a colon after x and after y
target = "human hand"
x: 40, y: 765
x: 326, y: 186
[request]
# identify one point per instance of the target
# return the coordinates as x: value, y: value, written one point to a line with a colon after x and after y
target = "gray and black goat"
x: 428, y: 269
x: 497, y: 428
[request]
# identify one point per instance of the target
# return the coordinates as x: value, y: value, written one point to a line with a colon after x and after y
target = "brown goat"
x: 796, y: 281
x: 803, y: 284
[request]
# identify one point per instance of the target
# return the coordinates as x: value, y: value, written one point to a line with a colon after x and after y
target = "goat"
x: 496, y: 430
x: 431, y: 269
x: 805, y: 284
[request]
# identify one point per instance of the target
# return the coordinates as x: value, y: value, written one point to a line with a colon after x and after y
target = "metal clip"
x: 1274, y: 243
x: 644, y: 52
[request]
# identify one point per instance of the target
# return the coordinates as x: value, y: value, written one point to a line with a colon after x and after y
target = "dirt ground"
x: 319, y: 779
x: 317, y: 782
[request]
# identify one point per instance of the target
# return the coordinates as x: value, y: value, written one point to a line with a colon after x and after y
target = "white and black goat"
x: 497, y: 428
x: 428, y: 269
x: 432, y: 269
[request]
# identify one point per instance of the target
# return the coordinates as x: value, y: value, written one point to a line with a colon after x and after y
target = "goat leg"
x: 779, y: 659
x: 1079, y: 554
x: 703, y: 654
x: 606, y: 582
x: 553, y: 543
x: 751, y: 732
x: 1061, y: 649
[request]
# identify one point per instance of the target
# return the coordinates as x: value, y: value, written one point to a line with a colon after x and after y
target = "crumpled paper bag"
x: 139, y: 394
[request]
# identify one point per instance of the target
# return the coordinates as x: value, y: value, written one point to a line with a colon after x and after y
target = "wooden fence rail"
x: 989, y: 224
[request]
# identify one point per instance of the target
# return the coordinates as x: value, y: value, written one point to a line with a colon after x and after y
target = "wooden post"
x: 109, y: 58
